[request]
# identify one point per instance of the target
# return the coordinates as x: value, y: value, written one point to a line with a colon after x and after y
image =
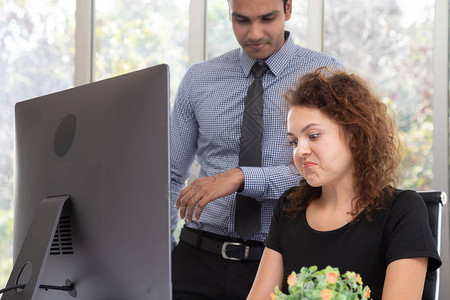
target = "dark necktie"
x: 248, y: 210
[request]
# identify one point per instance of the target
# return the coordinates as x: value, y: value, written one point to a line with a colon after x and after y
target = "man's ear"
x: 288, y: 10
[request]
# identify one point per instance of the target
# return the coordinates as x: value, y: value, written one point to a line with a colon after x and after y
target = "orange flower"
x: 292, y: 279
x: 273, y: 296
x: 326, y: 294
x: 332, y: 277
x: 359, y: 279
x: 368, y: 293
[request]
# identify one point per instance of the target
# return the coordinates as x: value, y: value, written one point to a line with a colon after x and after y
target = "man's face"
x: 259, y: 25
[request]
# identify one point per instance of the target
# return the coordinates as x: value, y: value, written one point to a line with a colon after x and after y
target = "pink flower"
x: 292, y: 279
x: 359, y: 279
x: 332, y: 277
x: 326, y: 294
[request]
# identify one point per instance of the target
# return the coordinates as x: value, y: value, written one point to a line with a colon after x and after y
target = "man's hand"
x: 204, y: 190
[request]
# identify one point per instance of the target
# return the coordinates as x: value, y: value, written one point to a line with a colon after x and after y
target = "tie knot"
x: 259, y: 69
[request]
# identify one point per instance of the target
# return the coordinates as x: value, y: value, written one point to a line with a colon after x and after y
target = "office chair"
x: 434, y: 201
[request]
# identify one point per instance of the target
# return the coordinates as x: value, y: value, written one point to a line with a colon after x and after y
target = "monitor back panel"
x: 114, y: 165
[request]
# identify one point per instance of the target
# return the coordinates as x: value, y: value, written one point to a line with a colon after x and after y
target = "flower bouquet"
x: 326, y: 284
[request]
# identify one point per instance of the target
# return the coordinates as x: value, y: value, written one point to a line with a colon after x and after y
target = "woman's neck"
x: 332, y: 210
x: 337, y: 198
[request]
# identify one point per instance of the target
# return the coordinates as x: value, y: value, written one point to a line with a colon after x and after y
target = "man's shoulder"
x: 319, y: 56
x: 217, y: 70
x: 228, y: 58
x: 307, y: 55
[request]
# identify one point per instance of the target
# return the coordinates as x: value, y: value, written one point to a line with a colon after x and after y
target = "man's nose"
x: 256, y: 31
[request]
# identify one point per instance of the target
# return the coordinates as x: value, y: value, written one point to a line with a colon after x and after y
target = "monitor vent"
x: 62, y: 241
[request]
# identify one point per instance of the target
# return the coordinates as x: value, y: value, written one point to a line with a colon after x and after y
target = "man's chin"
x: 260, y: 54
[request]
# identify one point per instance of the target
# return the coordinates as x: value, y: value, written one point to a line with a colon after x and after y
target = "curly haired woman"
x: 346, y: 211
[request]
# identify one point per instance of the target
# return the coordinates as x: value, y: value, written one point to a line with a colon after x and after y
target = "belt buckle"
x: 224, y: 250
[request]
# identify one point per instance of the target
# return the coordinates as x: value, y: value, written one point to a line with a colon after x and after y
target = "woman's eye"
x: 293, y: 143
x: 314, y: 136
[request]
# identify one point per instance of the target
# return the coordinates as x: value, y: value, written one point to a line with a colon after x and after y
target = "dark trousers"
x: 199, y: 274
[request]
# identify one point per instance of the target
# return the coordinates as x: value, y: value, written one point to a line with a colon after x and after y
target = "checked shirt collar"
x: 276, y: 62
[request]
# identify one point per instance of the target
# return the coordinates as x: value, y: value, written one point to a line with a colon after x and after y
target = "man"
x: 212, y: 260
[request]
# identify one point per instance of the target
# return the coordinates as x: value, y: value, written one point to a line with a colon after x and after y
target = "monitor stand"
x: 33, y: 255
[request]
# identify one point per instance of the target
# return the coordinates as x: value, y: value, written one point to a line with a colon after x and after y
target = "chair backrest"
x: 434, y: 201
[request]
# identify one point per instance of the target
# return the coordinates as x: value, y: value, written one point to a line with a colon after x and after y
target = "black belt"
x: 233, y: 250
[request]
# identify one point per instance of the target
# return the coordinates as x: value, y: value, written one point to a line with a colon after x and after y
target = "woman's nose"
x: 302, y: 149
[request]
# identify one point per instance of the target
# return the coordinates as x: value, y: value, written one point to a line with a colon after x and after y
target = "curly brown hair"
x: 369, y: 128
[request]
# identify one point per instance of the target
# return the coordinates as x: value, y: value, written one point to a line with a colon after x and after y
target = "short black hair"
x: 284, y: 4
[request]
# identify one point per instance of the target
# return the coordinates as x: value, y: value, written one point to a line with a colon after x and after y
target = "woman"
x: 345, y: 211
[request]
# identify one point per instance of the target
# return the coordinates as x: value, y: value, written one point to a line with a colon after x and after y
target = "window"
x: 219, y: 33
x: 391, y: 44
x: 297, y: 25
x: 132, y: 35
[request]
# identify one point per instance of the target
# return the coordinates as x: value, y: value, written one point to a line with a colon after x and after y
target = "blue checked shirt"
x: 206, y: 123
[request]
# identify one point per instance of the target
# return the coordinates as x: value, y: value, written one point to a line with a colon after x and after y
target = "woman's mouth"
x: 308, y: 164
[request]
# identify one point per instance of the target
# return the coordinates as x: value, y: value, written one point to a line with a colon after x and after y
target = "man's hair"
x: 284, y: 4
x: 368, y: 127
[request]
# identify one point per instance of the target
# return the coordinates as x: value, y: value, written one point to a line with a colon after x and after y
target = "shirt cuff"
x: 254, y: 182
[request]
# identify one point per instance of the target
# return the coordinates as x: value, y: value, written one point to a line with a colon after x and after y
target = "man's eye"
x: 268, y: 19
x: 241, y: 20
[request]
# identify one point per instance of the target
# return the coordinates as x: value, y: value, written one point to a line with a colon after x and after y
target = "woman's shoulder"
x: 407, y: 221
x: 284, y: 198
x: 289, y: 191
x: 407, y: 202
x: 283, y: 202
x: 406, y: 198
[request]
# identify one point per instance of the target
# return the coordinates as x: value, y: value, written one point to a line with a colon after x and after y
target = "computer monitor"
x: 96, y: 159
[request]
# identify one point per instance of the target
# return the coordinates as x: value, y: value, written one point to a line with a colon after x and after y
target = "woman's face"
x: 321, y: 153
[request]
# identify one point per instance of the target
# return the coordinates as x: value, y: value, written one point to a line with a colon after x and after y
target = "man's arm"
x: 261, y: 183
x: 269, y: 182
x: 183, y: 145
x: 206, y: 189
